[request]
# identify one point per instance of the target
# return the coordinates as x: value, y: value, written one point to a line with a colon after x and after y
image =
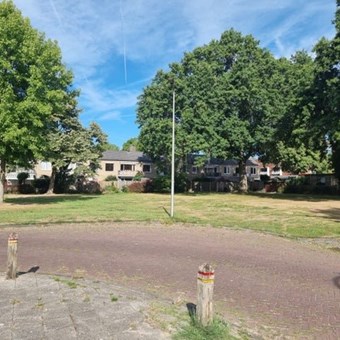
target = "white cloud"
x: 103, y: 103
x: 92, y: 35
x: 90, y: 32
x: 116, y: 115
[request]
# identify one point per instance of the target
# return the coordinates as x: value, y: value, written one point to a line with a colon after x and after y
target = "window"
x: 46, y: 166
x: 252, y: 170
x: 146, y: 168
x: 194, y: 170
x: 109, y: 167
x: 127, y: 167
x: 226, y: 170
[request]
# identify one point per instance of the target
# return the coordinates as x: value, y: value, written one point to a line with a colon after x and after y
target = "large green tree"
x: 33, y: 84
x: 297, y: 149
x: 326, y: 90
x: 228, y: 103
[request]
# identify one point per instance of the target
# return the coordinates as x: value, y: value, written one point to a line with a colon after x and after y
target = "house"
x: 273, y: 171
x: 125, y: 166
x: 223, y: 169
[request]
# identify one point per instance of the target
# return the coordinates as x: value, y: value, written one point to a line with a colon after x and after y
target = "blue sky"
x: 115, y: 47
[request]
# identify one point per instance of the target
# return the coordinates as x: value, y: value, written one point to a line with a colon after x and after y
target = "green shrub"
x: 301, y: 186
x: 161, y: 184
x: 63, y: 181
x: 41, y: 184
x: 181, y: 182
x: 92, y: 187
x: 111, y: 189
x: 111, y: 178
x: 22, y: 176
x: 26, y: 189
x: 138, y: 176
x: 125, y: 188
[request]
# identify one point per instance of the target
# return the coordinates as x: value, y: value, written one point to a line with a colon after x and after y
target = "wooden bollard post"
x: 205, y: 291
x: 12, y: 256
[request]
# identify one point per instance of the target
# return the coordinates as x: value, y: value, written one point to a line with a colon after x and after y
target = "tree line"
x: 234, y: 99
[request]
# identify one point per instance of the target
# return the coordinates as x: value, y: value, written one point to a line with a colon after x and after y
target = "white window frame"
x: 123, y: 165
x: 226, y: 170
x: 253, y: 170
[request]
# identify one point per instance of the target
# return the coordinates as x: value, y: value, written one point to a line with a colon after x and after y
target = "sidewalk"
x: 38, y: 306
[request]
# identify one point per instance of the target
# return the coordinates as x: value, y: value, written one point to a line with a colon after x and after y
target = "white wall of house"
x: 124, y: 169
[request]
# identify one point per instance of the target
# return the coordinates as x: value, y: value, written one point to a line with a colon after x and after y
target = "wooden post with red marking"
x: 12, y: 256
x: 205, y: 291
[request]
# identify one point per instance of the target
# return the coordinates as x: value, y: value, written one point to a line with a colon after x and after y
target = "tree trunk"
x: 52, y: 180
x: 2, y: 179
x: 243, y: 185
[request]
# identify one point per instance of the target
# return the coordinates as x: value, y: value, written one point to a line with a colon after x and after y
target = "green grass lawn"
x: 288, y: 215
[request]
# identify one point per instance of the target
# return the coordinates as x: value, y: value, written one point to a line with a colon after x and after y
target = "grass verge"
x: 286, y: 215
x: 194, y: 331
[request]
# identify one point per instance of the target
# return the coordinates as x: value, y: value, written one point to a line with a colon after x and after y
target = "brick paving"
x: 38, y: 306
x: 277, y: 288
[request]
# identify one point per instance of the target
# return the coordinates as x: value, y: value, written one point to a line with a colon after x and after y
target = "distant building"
x: 222, y: 169
x: 125, y: 166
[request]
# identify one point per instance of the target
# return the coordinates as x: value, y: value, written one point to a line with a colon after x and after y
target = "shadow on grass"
x: 332, y: 214
x: 296, y: 197
x: 275, y: 196
x: 48, y: 199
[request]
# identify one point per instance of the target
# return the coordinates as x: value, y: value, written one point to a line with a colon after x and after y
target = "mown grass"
x: 294, y: 215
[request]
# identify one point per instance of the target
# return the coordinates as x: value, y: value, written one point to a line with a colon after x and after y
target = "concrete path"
x: 273, y: 286
x: 43, y: 307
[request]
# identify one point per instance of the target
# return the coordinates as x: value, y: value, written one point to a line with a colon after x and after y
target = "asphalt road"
x: 265, y: 283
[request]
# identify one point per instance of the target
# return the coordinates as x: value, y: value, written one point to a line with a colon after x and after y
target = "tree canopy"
x: 228, y: 102
x: 235, y: 100
x: 33, y: 85
x: 39, y: 115
x: 131, y: 144
x: 326, y: 94
x: 111, y: 147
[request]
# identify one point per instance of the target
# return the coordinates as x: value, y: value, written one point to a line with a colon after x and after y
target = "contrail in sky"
x: 124, y: 45
x: 56, y: 12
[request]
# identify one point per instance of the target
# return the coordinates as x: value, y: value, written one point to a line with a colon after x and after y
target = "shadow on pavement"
x: 336, y: 281
x: 31, y: 270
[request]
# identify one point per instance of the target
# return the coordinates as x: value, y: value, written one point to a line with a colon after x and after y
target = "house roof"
x: 134, y: 156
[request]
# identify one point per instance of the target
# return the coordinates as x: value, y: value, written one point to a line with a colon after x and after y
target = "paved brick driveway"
x: 269, y: 284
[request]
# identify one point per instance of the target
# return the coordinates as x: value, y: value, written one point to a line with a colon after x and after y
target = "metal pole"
x: 173, y: 157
